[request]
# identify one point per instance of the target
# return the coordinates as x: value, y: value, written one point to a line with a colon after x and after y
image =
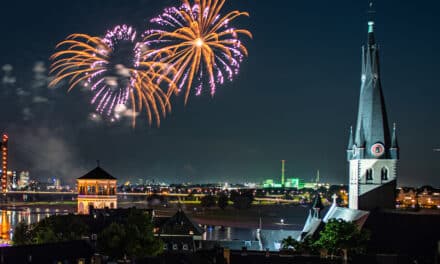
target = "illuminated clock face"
x: 377, y: 150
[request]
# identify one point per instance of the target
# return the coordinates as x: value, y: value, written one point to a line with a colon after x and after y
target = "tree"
x: 56, y: 228
x: 22, y: 235
x: 111, y: 241
x: 242, y: 200
x: 208, y: 201
x: 133, y: 238
x: 343, y: 237
x: 299, y: 247
x: 222, y: 201
x: 289, y: 243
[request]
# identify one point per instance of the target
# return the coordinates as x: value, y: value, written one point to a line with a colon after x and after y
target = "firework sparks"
x: 199, y: 43
x: 89, y: 61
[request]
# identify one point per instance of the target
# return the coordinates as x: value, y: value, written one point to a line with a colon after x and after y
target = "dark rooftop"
x: 97, y: 174
x: 180, y: 224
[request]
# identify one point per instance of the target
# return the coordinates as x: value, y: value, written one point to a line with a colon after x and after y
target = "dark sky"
x: 294, y: 99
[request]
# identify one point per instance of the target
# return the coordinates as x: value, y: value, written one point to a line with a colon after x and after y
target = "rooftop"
x: 97, y: 174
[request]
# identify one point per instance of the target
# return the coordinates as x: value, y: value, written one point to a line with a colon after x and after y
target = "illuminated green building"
x: 289, y: 183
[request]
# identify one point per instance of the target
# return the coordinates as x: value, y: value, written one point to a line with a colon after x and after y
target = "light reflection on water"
x: 11, y: 217
x: 229, y: 233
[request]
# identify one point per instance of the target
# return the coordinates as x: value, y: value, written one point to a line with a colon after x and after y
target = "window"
x: 384, y: 174
x: 101, y: 190
x: 91, y: 190
x: 369, y: 175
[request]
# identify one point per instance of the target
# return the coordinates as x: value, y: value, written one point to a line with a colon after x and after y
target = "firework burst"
x: 199, y: 43
x: 90, y: 62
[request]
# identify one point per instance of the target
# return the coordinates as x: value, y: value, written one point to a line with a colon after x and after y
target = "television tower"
x: 4, y: 148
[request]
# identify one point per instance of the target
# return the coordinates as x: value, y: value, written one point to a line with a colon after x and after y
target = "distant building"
x: 96, y: 189
x: 426, y: 197
x: 372, y: 150
x: 288, y: 183
x: 12, y: 180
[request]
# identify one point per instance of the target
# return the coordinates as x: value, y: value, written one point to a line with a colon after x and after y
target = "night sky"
x: 295, y: 98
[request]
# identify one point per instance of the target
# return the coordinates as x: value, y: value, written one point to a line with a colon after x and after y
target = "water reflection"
x: 11, y: 217
x: 218, y: 233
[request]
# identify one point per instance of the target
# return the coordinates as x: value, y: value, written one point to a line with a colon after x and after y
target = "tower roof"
x: 394, y: 142
x: 180, y: 224
x: 350, y: 139
x: 97, y: 174
x: 317, y: 203
x: 372, y: 121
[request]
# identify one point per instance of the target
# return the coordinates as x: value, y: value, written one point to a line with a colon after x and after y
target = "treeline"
x: 129, y: 235
x: 239, y: 199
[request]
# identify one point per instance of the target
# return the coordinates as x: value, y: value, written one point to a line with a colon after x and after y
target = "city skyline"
x: 294, y: 100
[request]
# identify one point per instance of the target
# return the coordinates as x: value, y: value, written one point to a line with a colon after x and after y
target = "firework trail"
x: 198, y: 43
x: 90, y: 61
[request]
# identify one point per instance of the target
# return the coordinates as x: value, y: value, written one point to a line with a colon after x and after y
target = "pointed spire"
x: 317, y: 203
x: 394, y: 143
x: 350, y: 139
x: 317, y: 206
x: 372, y: 122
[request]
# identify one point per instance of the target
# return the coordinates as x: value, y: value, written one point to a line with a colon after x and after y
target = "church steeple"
x: 372, y: 122
x: 374, y: 154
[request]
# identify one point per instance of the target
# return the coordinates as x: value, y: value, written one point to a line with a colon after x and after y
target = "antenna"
x: 371, y: 11
x: 97, y: 163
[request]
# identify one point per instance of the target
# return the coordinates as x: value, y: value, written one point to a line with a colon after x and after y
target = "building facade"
x: 96, y: 189
x: 372, y: 150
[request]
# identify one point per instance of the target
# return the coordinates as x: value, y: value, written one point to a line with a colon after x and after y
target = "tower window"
x: 369, y: 175
x: 384, y: 174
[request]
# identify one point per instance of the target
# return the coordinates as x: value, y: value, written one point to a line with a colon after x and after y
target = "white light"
x: 199, y: 42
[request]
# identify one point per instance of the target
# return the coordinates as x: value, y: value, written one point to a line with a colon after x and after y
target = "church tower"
x: 372, y: 150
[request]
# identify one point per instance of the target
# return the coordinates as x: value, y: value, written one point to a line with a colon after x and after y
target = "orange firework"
x: 87, y: 61
x: 199, y: 43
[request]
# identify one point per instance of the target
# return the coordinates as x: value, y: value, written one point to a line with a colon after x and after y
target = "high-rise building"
x: 23, y: 179
x: 372, y: 150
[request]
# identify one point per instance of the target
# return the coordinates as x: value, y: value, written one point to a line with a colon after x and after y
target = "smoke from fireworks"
x: 199, y: 43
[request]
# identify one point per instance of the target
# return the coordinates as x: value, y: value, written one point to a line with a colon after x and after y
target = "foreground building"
x: 372, y: 150
x: 96, y: 189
